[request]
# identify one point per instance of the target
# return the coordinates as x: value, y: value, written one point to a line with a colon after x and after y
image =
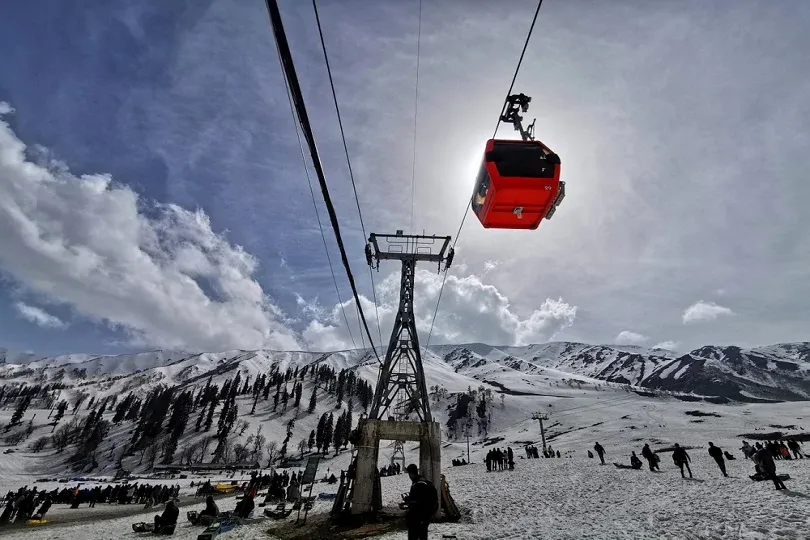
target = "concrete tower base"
x: 429, y: 435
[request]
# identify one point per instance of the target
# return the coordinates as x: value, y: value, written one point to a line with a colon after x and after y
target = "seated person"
x: 168, y: 518
x: 244, y: 507
x: 210, y: 513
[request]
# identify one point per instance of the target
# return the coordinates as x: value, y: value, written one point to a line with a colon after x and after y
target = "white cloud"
x: 470, y: 311
x: 626, y: 337
x: 668, y: 345
x: 156, y: 270
x: 704, y: 311
x: 37, y: 315
x: 489, y: 266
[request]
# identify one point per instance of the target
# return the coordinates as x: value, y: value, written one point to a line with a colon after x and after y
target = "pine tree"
x: 134, y: 410
x: 311, y: 441
x: 256, y: 395
x: 328, y: 431
x: 285, y: 398
x: 60, y: 412
x: 337, y: 435
x: 177, y: 424
x: 200, y: 419
x: 275, y: 401
x: 313, y: 400
x: 266, y: 393
x: 347, y: 427
x: 297, y: 391
x: 209, y: 420
x: 22, y: 406
x: 319, y: 433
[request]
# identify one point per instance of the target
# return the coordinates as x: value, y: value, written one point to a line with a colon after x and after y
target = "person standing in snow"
x: 423, y: 502
x: 510, y: 458
x: 681, y: 459
x: 747, y: 450
x: 793, y: 444
x: 764, y: 463
x: 649, y: 455
x: 717, y: 454
x: 600, y: 451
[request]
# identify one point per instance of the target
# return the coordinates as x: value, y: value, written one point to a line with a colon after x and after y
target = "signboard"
x: 311, y: 470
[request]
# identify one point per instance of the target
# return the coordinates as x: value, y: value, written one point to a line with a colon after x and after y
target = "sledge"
x: 280, y: 512
x: 195, y: 518
x: 36, y: 522
x: 225, y: 488
x: 758, y: 477
x: 143, y: 527
x: 624, y: 466
x: 219, y: 527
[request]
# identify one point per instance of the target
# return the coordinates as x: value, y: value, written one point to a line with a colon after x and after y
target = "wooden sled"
x: 36, y: 522
x: 625, y: 466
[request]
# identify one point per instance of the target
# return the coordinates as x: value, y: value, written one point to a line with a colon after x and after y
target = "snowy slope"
x: 777, y: 372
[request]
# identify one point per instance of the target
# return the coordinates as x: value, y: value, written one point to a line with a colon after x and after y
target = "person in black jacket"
x: 169, y: 516
x: 635, y: 462
x: 717, y: 454
x: 244, y: 507
x: 764, y: 461
x: 681, y: 459
x: 600, y: 451
x: 651, y: 457
x: 422, y: 504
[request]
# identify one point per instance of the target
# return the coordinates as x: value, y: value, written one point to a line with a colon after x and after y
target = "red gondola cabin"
x: 518, y: 185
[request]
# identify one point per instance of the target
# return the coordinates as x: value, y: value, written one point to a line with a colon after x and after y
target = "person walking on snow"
x: 764, y: 460
x: 795, y: 448
x: 600, y: 451
x: 652, y: 459
x: 681, y: 459
x: 717, y: 454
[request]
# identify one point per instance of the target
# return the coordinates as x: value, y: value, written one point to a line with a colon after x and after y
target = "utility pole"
x: 468, y: 445
x: 541, y: 417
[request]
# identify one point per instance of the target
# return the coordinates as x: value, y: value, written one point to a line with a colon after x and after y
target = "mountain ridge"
x: 773, y: 372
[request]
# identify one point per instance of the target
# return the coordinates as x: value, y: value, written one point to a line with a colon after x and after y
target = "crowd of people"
x: 34, y: 503
x: 498, y: 459
x: 763, y: 456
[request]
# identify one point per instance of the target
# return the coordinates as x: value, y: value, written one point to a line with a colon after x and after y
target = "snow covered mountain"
x: 777, y: 372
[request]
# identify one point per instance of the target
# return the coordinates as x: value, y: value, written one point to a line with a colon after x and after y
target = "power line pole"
x: 541, y: 417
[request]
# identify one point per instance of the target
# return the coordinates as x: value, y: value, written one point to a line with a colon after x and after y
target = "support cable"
x: 318, y: 214
x: 469, y: 201
x: 415, y: 110
x: 348, y: 161
x: 303, y: 118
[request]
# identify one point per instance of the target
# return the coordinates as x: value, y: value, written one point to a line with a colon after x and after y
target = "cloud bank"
x: 470, y: 311
x: 157, y: 271
x: 704, y: 311
x: 627, y: 337
x: 39, y: 316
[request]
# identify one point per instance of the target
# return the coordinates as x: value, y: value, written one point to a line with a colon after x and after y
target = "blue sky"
x: 154, y: 195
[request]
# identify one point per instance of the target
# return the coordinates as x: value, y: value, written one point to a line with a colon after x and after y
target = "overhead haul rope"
x: 469, y: 202
x: 415, y: 109
x: 295, y: 94
x: 317, y: 213
x: 348, y: 162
